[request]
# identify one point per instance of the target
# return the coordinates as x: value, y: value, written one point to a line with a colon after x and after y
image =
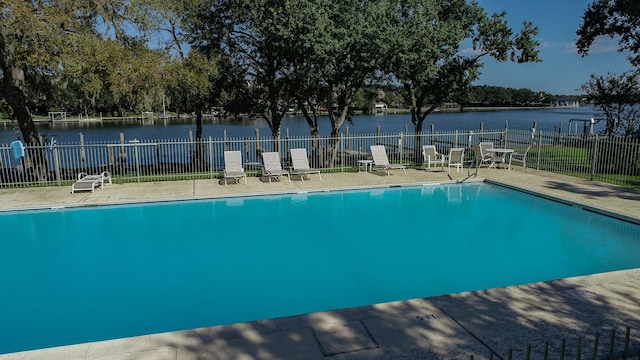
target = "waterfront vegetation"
x: 247, y: 57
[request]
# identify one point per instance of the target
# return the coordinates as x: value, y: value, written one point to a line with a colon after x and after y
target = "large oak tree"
x: 428, y: 59
x: 48, y: 44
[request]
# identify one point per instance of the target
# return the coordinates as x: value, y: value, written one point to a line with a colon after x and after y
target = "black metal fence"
x: 613, y: 345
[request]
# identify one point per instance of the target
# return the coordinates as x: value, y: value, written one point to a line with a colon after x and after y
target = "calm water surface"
x: 547, y: 120
x: 77, y: 275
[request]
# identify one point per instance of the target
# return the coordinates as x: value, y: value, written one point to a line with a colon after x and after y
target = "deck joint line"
x: 472, y: 334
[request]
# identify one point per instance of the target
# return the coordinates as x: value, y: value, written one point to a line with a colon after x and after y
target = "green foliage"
x: 617, y: 98
x: 611, y: 18
x: 485, y: 95
x: 257, y: 56
x: 188, y: 82
x: 427, y: 59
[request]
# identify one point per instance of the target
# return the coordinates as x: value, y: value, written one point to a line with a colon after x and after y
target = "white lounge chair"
x: 88, y: 182
x: 431, y: 156
x: 455, y: 158
x: 301, y: 164
x: 272, y: 166
x: 233, y: 167
x: 381, y: 161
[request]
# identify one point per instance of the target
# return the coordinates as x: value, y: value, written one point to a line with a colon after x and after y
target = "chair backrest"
x: 456, y: 155
x: 429, y: 152
x: 233, y: 161
x: 271, y: 161
x: 299, y: 159
x: 483, y: 149
x: 379, y: 155
x: 477, y: 151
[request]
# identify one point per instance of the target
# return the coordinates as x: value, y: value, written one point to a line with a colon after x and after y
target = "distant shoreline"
x: 389, y: 111
x: 479, y: 109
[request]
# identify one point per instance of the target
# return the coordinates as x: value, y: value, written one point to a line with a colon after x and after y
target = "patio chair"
x: 233, y: 167
x: 301, y: 164
x: 381, y: 161
x: 489, y: 157
x: 272, y: 166
x: 455, y: 158
x: 481, y: 155
x: 88, y: 182
x: 520, y: 157
x: 431, y: 155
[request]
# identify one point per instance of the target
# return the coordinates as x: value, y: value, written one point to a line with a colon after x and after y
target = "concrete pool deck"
x: 451, y: 326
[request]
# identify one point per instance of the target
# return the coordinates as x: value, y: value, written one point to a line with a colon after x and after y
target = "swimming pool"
x: 78, y: 275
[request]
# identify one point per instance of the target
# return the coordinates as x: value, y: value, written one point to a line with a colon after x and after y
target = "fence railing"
x: 612, y: 345
x: 592, y: 157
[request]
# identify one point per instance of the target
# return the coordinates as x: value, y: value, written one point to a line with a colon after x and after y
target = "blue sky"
x: 562, y: 71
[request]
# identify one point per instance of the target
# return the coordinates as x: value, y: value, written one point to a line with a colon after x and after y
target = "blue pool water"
x: 76, y: 275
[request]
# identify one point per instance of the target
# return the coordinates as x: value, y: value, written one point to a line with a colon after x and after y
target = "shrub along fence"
x: 592, y: 157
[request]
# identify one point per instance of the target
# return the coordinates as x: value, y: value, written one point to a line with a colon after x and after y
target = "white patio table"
x: 499, y: 151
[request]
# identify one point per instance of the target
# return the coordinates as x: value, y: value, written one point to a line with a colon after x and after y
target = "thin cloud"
x: 601, y: 45
x: 469, y: 51
x: 604, y: 45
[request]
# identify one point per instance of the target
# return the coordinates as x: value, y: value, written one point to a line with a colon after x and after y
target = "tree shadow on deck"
x: 450, y: 326
x: 595, y: 190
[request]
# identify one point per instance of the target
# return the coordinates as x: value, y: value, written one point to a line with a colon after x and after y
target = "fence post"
x: 341, y: 152
x: 257, y: 131
x: 595, y: 158
x: 56, y: 162
x: 539, y: 150
x: 612, y: 340
x: 83, y: 154
x: 626, y: 335
x: 287, y: 142
x: 400, y: 146
x: 211, y: 159
x: 135, y: 148
x: 579, y: 349
x: 506, y: 131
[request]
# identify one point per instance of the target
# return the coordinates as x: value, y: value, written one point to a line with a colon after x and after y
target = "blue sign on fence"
x: 18, y: 149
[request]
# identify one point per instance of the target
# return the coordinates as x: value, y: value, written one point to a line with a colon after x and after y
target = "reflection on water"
x: 180, y: 128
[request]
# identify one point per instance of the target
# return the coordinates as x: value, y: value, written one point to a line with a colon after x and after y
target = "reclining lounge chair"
x: 381, y: 161
x: 88, y: 182
x: 233, y: 167
x: 272, y: 167
x: 301, y: 164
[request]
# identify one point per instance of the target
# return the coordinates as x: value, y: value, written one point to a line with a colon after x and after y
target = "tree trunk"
x: 334, y: 141
x: 274, y: 120
x: 198, y: 149
x: 418, y: 118
x: 312, y: 121
x: 14, y: 96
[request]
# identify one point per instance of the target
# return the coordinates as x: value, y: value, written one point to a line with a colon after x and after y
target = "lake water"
x: 546, y: 119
